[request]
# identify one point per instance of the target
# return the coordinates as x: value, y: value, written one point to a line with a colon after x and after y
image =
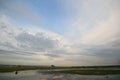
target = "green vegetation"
x: 11, y: 69
x: 21, y: 68
x: 71, y: 70
x: 91, y: 72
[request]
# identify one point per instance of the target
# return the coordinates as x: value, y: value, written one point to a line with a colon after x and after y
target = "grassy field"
x: 14, y: 68
x: 92, y: 72
x: 80, y: 71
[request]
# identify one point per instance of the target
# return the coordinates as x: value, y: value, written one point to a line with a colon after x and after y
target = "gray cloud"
x: 37, y: 42
x: 16, y: 38
x: 20, y: 44
x: 53, y: 55
x: 15, y: 52
x: 94, y: 34
x: 17, y: 57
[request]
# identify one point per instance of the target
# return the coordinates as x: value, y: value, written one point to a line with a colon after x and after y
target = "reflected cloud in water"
x: 52, y: 75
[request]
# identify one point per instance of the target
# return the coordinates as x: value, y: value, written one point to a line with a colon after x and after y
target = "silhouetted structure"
x: 16, y: 72
x: 52, y: 67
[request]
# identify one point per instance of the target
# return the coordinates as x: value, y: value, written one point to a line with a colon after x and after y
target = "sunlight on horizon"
x: 60, y: 32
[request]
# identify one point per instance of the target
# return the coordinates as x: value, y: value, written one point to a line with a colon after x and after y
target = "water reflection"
x: 52, y: 75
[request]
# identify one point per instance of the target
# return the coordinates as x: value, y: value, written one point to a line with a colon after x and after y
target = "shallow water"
x: 51, y: 75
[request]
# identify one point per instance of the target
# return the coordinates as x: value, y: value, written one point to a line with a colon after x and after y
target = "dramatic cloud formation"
x: 24, y: 42
x: 83, y: 33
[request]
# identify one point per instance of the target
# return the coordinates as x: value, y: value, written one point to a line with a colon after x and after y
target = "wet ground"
x: 52, y: 75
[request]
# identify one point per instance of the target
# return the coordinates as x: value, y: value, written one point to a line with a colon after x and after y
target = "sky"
x: 60, y: 32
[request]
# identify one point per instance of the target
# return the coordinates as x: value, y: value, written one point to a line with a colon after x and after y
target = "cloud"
x: 94, y: 24
x: 23, y: 43
x: 104, y: 32
x: 52, y: 55
x: 93, y: 30
x: 18, y: 57
x: 89, y: 15
x: 17, y: 37
x: 37, y: 42
x: 92, y: 36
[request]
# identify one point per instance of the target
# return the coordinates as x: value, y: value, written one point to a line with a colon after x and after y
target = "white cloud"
x: 94, y: 29
x: 104, y: 32
x: 28, y: 41
x: 93, y: 19
x: 7, y: 32
x: 92, y: 37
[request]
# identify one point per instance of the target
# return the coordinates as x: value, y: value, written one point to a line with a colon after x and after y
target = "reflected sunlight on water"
x: 49, y: 75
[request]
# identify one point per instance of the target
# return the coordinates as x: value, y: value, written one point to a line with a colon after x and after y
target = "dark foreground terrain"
x: 90, y: 70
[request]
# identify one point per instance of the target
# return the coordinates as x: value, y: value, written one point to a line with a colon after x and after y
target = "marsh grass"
x: 12, y: 69
x: 17, y: 68
x: 81, y: 71
x: 92, y: 72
